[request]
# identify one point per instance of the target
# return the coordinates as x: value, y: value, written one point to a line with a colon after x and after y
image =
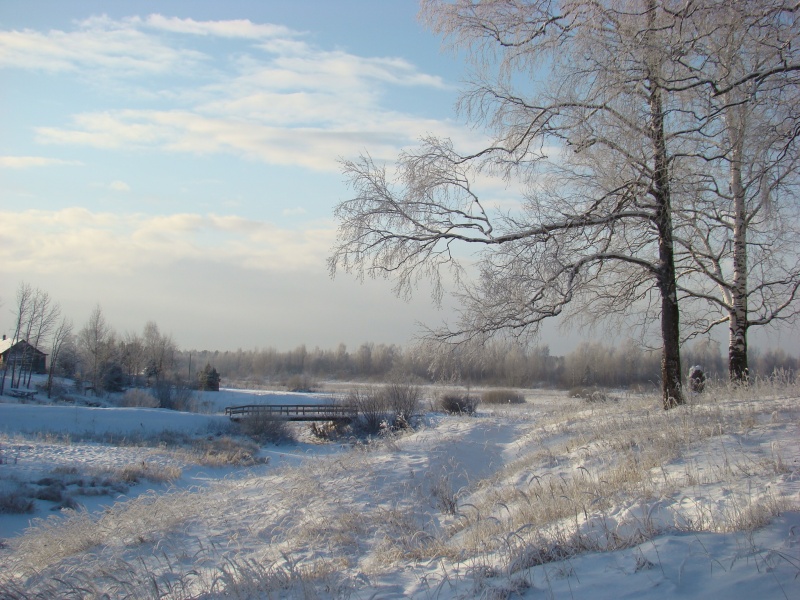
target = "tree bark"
x: 737, y: 348
x: 671, y: 379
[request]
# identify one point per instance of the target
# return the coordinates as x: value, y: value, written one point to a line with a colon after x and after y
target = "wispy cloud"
x: 40, y: 241
x: 316, y: 148
x: 275, y: 98
x: 97, y: 43
x: 235, y: 28
x: 27, y: 162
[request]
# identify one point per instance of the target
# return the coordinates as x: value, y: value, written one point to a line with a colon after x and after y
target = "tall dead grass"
x: 588, y: 477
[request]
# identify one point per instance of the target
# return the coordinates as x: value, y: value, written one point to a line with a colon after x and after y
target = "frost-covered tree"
x: 24, y: 300
x: 96, y: 344
x: 62, y: 337
x: 739, y: 262
x: 578, y: 99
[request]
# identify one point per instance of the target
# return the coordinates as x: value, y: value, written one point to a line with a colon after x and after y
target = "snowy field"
x: 556, y: 498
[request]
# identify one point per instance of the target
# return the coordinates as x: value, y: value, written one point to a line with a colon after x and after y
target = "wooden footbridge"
x: 292, y: 412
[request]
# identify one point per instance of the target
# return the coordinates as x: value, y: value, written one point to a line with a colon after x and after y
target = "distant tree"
x: 43, y: 318
x: 208, y: 379
x: 95, y: 342
x: 113, y: 377
x: 131, y: 355
x: 23, y: 307
x: 158, y: 351
x: 62, y: 337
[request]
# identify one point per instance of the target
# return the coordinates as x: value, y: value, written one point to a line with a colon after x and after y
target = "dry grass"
x: 588, y: 477
x: 16, y: 502
x: 502, y: 396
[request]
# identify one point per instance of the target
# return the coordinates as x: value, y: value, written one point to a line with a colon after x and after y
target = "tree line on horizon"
x: 496, y: 363
x: 100, y: 359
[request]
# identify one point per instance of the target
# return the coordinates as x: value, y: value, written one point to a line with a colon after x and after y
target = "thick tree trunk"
x: 671, y: 379
x: 737, y: 353
x: 672, y: 388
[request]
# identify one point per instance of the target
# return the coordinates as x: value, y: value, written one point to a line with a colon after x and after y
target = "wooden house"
x: 22, y: 355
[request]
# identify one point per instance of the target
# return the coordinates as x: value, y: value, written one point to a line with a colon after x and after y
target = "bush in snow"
x: 402, y: 401
x: 15, y: 502
x: 371, y: 410
x: 380, y: 409
x: 265, y: 430
x: 138, y: 398
x: 174, y: 395
x: 208, y: 379
x: 458, y: 404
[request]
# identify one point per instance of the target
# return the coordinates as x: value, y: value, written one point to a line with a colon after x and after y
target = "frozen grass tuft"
x: 16, y: 501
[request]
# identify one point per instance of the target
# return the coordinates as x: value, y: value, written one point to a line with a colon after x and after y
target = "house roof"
x: 8, y: 343
x: 5, y: 344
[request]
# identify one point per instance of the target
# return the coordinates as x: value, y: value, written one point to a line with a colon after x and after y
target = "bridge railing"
x: 292, y: 412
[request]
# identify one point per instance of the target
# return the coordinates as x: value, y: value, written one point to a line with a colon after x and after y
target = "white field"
x: 555, y: 498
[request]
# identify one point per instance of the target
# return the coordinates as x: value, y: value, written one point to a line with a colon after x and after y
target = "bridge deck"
x: 292, y: 412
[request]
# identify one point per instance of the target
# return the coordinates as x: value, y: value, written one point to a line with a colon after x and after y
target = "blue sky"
x: 178, y: 161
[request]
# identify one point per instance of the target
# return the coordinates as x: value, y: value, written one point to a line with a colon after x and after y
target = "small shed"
x: 22, y: 355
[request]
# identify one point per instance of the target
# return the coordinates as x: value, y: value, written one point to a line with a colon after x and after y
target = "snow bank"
x: 31, y: 418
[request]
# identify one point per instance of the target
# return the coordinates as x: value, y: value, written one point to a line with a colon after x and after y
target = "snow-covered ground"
x: 554, y: 498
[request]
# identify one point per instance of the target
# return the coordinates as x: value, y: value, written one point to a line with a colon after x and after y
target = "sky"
x: 178, y: 162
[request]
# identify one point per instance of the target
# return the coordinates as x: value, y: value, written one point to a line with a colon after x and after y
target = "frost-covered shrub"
x: 138, y: 398
x: 52, y: 492
x: 502, y: 397
x: 402, y: 400
x: 592, y: 394
x: 15, y: 502
x: 372, y: 412
x: 329, y: 430
x: 380, y: 409
x: 265, y: 430
x: 458, y: 404
x: 133, y: 474
x: 174, y: 395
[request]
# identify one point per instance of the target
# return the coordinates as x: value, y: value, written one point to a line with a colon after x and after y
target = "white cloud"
x: 27, y: 162
x: 99, y: 43
x: 238, y: 28
x: 72, y: 239
x: 316, y: 148
x: 281, y: 101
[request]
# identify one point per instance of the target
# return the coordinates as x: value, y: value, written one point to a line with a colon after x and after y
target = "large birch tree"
x: 594, y: 226
x: 739, y: 260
